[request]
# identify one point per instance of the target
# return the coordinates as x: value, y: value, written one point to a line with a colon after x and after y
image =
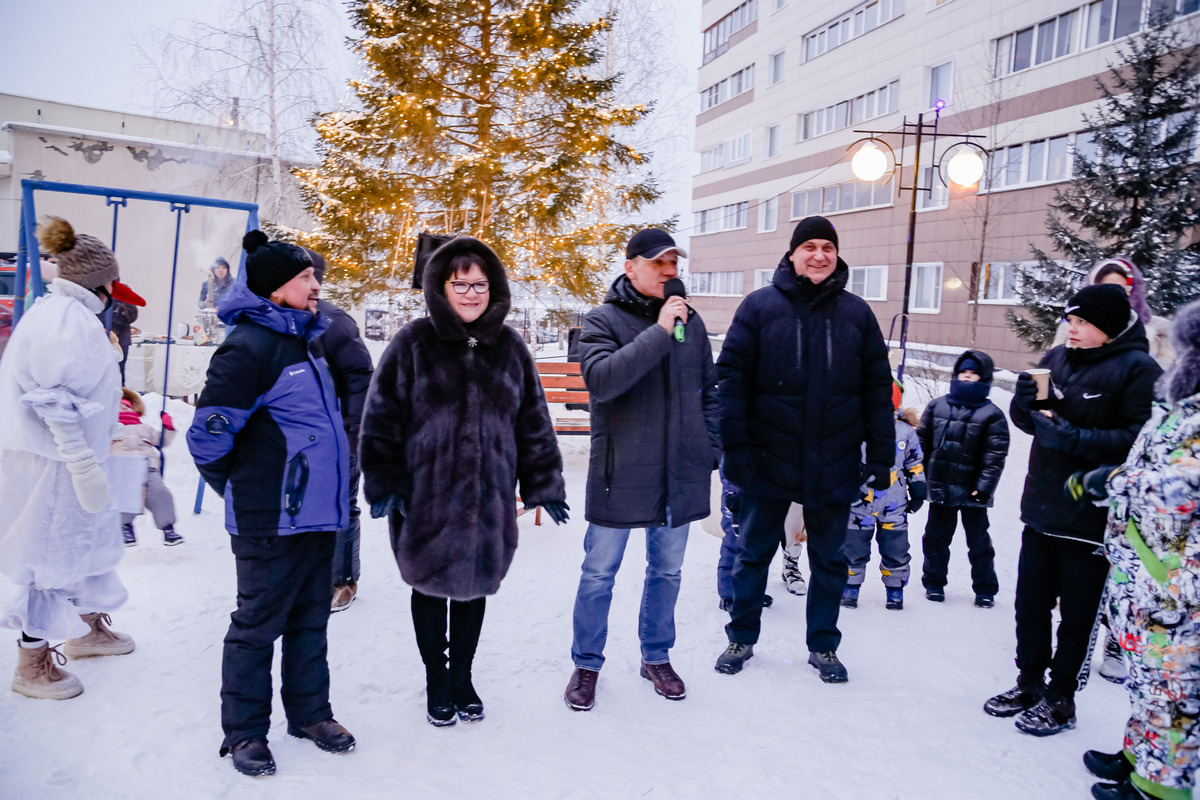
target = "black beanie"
x: 270, y: 265
x: 318, y: 265
x: 812, y: 228
x: 971, y: 364
x: 1106, y: 306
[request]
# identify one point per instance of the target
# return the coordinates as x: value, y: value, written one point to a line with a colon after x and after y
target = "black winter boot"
x: 466, y: 621
x: 1053, y: 714
x: 1108, y: 766
x: 429, y: 624
x: 1023, y: 696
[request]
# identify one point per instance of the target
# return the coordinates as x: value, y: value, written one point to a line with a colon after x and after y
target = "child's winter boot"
x: 895, y: 598
x: 127, y: 532
x: 793, y: 580
x: 850, y: 597
x: 38, y: 676
x: 1112, y: 668
x: 100, y: 641
x: 170, y: 537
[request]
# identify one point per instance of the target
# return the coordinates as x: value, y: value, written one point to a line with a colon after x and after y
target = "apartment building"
x: 785, y: 83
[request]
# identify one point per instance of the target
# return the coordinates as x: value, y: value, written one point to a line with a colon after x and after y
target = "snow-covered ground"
x: 909, y: 724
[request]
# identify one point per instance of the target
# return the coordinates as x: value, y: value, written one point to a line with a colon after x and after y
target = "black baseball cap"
x: 650, y: 243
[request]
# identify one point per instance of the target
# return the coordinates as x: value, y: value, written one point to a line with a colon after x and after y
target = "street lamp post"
x: 870, y: 164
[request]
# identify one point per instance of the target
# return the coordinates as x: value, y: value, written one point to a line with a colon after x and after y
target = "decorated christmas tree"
x: 487, y: 118
x: 1136, y: 190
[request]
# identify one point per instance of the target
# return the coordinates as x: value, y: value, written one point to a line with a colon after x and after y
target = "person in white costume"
x: 60, y: 537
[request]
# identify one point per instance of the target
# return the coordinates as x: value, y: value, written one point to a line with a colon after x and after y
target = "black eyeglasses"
x: 460, y: 287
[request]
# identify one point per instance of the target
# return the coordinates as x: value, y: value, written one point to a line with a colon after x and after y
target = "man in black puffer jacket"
x: 654, y: 447
x: 804, y: 382
x: 1103, y: 386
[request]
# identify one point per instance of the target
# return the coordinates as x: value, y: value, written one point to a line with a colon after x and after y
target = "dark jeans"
x: 345, y: 555
x: 1072, y: 573
x: 283, y: 591
x: 760, y: 526
x: 429, y: 623
x: 939, y: 531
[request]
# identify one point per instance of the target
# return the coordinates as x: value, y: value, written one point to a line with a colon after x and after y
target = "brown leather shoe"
x: 665, y: 681
x: 327, y: 734
x: 581, y: 691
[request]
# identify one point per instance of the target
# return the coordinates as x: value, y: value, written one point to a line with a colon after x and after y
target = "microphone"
x: 674, y: 287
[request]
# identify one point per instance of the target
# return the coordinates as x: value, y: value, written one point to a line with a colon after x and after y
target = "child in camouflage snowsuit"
x: 884, y: 515
x: 1153, y: 542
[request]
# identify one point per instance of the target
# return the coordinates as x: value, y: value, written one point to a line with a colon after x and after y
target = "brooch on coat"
x: 472, y: 342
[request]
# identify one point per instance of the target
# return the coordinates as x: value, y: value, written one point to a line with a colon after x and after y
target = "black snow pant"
x: 760, y: 531
x: 939, y: 531
x: 345, y: 555
x: 283, y: 591
x: 1073, y: 573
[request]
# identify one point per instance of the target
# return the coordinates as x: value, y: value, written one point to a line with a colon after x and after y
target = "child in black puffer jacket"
x: 965, y: 440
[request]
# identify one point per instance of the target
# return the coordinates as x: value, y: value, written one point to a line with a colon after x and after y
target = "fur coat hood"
x: 446, y: 322
x: 454, y: 428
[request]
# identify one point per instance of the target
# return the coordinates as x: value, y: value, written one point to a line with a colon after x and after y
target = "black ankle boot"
x: 439, y: 703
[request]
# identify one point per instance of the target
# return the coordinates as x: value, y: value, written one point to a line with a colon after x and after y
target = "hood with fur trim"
x: 1183, y: 378
x: 448, y: 325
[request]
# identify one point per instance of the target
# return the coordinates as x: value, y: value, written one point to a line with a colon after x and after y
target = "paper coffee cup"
x: 1042, y: 378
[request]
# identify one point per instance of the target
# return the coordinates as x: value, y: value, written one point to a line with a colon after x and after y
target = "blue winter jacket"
x: 267, y: 434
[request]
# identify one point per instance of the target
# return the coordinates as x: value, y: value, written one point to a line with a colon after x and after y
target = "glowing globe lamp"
x: 965, y: 167
x: 869, y: 163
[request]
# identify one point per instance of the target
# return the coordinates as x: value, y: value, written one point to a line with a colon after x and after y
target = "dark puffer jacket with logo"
x: 267, y: 434
x: 1106, y: 394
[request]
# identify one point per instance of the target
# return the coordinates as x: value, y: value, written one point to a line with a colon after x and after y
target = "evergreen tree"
x: 489, y: 118
x: 1136, y: 187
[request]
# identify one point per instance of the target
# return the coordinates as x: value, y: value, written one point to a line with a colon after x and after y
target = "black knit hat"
x: 270, y: 265
x: 1106, y: 306
x: 318, y: 264
x: 812, y: 228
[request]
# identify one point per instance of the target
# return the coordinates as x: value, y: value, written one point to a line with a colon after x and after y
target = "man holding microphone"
x: 648, y: 367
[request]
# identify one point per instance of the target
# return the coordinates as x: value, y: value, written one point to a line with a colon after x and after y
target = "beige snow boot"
x: 100, y: 641
x: 38, y: 676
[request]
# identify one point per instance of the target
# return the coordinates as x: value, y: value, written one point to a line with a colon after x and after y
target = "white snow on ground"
x: 909, y: 723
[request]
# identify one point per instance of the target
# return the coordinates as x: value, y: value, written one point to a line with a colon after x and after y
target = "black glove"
x: 387, y: 505
x: 1025, y: 392
x: 1092, y: 484
x: 981, y: 498
x: 914, y: 504
x: 557, y: 510
x: 877, y: 477
x: 1055, y: 432
x: 917, y: 492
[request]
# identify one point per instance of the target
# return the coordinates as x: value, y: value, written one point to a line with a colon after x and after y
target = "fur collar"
x: 446, y: 323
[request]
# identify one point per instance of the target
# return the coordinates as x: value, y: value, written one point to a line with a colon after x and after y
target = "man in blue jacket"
x: 804, y: 382
x: 268, y: 437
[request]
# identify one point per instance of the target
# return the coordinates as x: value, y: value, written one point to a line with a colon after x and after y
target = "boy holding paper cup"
x: 1102, y: 385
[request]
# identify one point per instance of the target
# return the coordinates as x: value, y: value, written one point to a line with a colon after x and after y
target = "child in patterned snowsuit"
x: 1153, y: 542
x: 884, y: 516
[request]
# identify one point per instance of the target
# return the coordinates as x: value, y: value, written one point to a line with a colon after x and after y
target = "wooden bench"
x: 563, y: 383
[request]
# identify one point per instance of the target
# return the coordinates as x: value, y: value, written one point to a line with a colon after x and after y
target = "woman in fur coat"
x: 455, y: 421
x: 1153, y: 600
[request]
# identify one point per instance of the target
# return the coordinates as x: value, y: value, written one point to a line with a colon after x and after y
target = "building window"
x: 998, y: 281
x: 868, y: 105
x: 737, y: 150
x: 778, y: 65
x: 1111, y: 19
x: 768, y: 214
x: 849, y: 196
x: 723, y: 218
x: 936, y: 194
x: 869, y: 283
x: 762, y: 277
x: 736, y: 84
x: 1030, y: 163
x: 774, y: 139
x: 861, y: 19
x: 717, y: 283
x: 1037, y: 44
x: 941, y: 84
x: 778, y: 4
x: 712, y: 158
x: 716, y: 37
x: 926, y: 296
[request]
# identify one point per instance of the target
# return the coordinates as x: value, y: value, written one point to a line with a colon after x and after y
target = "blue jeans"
x: 603, y: 549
